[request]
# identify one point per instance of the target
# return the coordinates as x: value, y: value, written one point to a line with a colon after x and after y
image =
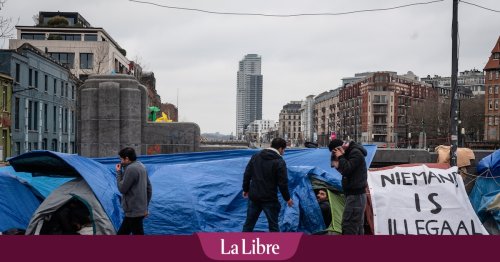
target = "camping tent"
x: 18, y: 201
x: 485, y: 196
x: 100, y: 180
x: 75, y: 189
x: 196, y: 192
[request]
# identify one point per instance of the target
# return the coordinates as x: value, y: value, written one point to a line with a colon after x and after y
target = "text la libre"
x: 254, y: 248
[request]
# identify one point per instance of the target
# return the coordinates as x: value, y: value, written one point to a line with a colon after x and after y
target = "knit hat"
x: 335, y: 143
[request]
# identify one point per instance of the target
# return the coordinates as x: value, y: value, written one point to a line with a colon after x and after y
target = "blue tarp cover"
x: 18, y: 201
x: 487, y: 187
x: 201, y: 192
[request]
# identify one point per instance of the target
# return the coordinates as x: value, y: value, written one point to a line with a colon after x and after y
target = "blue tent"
x: 485, y: 196
x: 197, y: 192
x: 18, y: 201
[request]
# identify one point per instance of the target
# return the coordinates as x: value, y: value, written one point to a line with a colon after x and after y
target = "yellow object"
x: 163, y: 118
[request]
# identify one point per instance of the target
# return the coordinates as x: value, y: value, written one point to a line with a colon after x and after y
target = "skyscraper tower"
x: 248, y: 93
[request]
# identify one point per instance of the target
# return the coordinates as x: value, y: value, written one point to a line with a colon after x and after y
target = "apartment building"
x: 248, y: 93
x: 72, y: 41
x: 43, y: 101
x: 306, y: 118
x: 492, y: 97
x: 325, y: 116
x: 290, y: 123
x: 5, y: 115
x: 375, y: 109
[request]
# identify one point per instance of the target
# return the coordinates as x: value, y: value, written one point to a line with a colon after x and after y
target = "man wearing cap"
x: 349, y: 159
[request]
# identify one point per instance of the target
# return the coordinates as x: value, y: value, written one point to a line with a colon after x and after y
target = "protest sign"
x: 419, y: 200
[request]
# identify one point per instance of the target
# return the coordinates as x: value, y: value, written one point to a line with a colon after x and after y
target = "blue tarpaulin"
x: 198, y: 192
x: 18, y: 201
x: 487, y: 189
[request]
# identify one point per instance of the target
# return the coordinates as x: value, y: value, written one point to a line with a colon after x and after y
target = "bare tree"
x: 432, y: 117
x: 6, y: 24
x: 472, y: 117
x: 100, y: 60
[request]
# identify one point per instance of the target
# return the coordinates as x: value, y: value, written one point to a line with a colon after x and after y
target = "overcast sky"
x: 195, y: 56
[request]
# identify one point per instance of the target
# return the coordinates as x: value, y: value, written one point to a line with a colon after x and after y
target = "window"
x: 496, y: 104
x: 36, y: 79
x: 46, y: 83
x: 65, y: 37
x: 44, y: 144
x: 18, y: 148
x: 4, y: 98
x: 90, y: 37
x: 35, y: 116
x: 33, y: 36
x: 490, y: 104
x: 496, y: 74
x: 55, y: 86
x: 66, y: 90
x: 54, y: 145
x: 54, y: 119
x: 62, y: 88
x: 30, y: 77
x: 18, y: 72
x: 496, y: 89
x: 67, y: 59
x: 30, y: 115
x: 45, y: 117
x: 73, y: 127
x: 490, y: 90
x: 65, y: 120
x: 73, y: 92
x: 16, y: 113
x: 86, y: 60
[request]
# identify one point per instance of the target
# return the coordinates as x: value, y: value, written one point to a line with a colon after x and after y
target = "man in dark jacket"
x: 133, y: 182
x: 349, y: 160
x: 265, y: 173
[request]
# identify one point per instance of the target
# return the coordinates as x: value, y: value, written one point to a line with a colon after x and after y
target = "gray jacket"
x: 136, y: 190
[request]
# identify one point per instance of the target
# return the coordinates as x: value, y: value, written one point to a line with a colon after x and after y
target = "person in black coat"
x: 349, y: 159
x: 264, y: 174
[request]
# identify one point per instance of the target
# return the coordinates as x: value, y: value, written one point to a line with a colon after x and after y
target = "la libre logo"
x: 253, y: 247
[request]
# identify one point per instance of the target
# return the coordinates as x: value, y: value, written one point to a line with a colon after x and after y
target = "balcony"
x: 379, y: 102
x: 380, y: 131
x: 379, y: 112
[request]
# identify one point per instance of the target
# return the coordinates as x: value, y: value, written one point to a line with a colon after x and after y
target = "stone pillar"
x: 111, y: 109
x: 112, y: 114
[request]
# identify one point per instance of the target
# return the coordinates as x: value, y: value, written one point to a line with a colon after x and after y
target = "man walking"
x: 265, y: 173
x: 133, y: 183
x: 349, y: 160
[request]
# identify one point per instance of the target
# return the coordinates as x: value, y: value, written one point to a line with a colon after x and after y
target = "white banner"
x: 419, y: 200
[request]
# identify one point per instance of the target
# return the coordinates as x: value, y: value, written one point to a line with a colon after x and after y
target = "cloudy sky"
x: 195, y: 55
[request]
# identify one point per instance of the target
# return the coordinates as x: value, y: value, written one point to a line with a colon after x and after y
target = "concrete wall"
x: 170, y: 138
x: 112, y: 114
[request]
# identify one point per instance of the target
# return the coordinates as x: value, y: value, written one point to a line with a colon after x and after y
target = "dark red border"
x: 188, y: 248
